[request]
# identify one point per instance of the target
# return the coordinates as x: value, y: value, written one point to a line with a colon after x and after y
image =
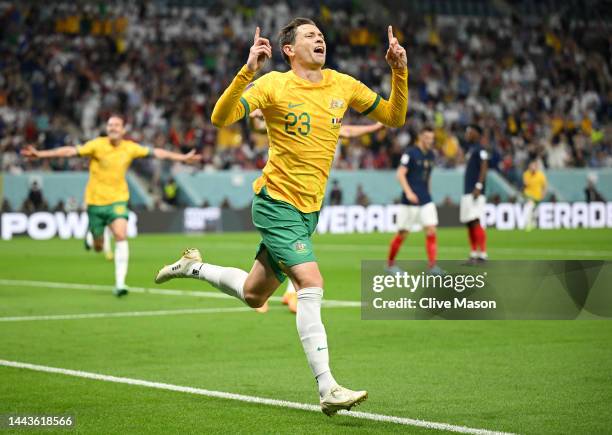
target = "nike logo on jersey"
x: 291, y: 106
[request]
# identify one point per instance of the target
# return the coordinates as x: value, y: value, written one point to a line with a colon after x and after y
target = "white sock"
x: 529, y: 215
x: 107, y: 240
x: 290, y: 287
x: 474, y: 254
x: 229, y: 280
x: 312, y: 334
x: 89, y: 239
x: 483, y: 255
x: 122, y: 256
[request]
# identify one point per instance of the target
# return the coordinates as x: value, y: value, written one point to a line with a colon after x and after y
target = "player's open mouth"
x: 319, y: 50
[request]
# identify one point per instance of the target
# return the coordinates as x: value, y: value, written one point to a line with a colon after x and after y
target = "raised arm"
x: 229, y: 108
x: 392, y: 112
x: 32, y: 153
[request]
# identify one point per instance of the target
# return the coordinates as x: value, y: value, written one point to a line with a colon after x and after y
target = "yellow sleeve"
x: 229, y: 108
x: 87, y: 149
x: 390, y: 112
x: 525, y: 178
x: 138, y: 151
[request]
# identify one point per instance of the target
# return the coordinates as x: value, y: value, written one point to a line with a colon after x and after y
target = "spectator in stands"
x: 59, y: 206
x: 557, y: 153
x: 6, y: 206
x: 335, y: 195
x: 361, y: 198
x: 590, y: 191
x: 35, y: 200
x: 71, y: 204
x: 171, y: 191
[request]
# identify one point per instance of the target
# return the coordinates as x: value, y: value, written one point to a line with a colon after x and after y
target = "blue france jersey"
x: 475, y: 156
x: 419, y: 167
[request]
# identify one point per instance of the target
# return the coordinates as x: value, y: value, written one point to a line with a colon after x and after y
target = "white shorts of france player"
x: 411, y: 215
x: 471, y: 209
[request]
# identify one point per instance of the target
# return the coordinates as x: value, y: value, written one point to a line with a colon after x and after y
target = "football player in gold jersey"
x: 303, y: 109
x: 257, y: 123
x: 107, y: 194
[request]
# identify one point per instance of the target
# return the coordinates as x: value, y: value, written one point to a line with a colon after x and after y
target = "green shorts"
x: 285, y: 232
x: 102, y: 215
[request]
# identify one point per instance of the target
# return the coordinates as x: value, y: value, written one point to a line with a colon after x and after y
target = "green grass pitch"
x: 515, y: 376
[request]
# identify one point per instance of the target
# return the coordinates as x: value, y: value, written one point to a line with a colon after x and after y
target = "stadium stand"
x: 546, y: 94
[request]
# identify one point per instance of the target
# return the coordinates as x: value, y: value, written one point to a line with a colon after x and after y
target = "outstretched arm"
x: 32, y: 153
x: 228, y: 110
x: 190, y: 158
x: 349, y: 131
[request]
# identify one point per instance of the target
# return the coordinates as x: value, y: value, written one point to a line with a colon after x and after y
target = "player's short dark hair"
x: 286, y: 36
x: 477, y: 128
x: 426, y: 129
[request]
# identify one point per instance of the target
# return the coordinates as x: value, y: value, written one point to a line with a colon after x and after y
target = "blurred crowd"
x: 541, y: 87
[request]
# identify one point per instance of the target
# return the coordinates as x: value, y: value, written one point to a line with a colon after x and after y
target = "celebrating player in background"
x: 107, y: 191
x: 473, y: 199
x: 303, y: 109
x: 534, y: 189
x: 414, y: 175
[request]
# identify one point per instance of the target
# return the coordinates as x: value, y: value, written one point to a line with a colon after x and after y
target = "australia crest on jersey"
x: 336, y: 103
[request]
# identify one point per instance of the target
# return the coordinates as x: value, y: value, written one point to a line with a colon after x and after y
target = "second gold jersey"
x: 108, y: 168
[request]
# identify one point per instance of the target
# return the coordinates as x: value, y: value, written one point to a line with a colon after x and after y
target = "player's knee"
x: 402, y: 233
x: 120, y: 237
x: 254, y: 300
x: 430, y: 231
x: 98, y: 245
x: 311, y: 281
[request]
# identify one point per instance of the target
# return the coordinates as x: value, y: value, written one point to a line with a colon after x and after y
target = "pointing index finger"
x: 390, y: 33
x: 256, y: 34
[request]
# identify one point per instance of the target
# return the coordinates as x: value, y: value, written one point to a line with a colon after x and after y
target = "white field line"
x: 244, y: 398
x: 125, y: 314
x: 156, y: 291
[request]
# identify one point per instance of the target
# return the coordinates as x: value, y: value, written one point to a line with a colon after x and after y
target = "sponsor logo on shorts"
x: 120, y: 209
x: 300, y: 247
